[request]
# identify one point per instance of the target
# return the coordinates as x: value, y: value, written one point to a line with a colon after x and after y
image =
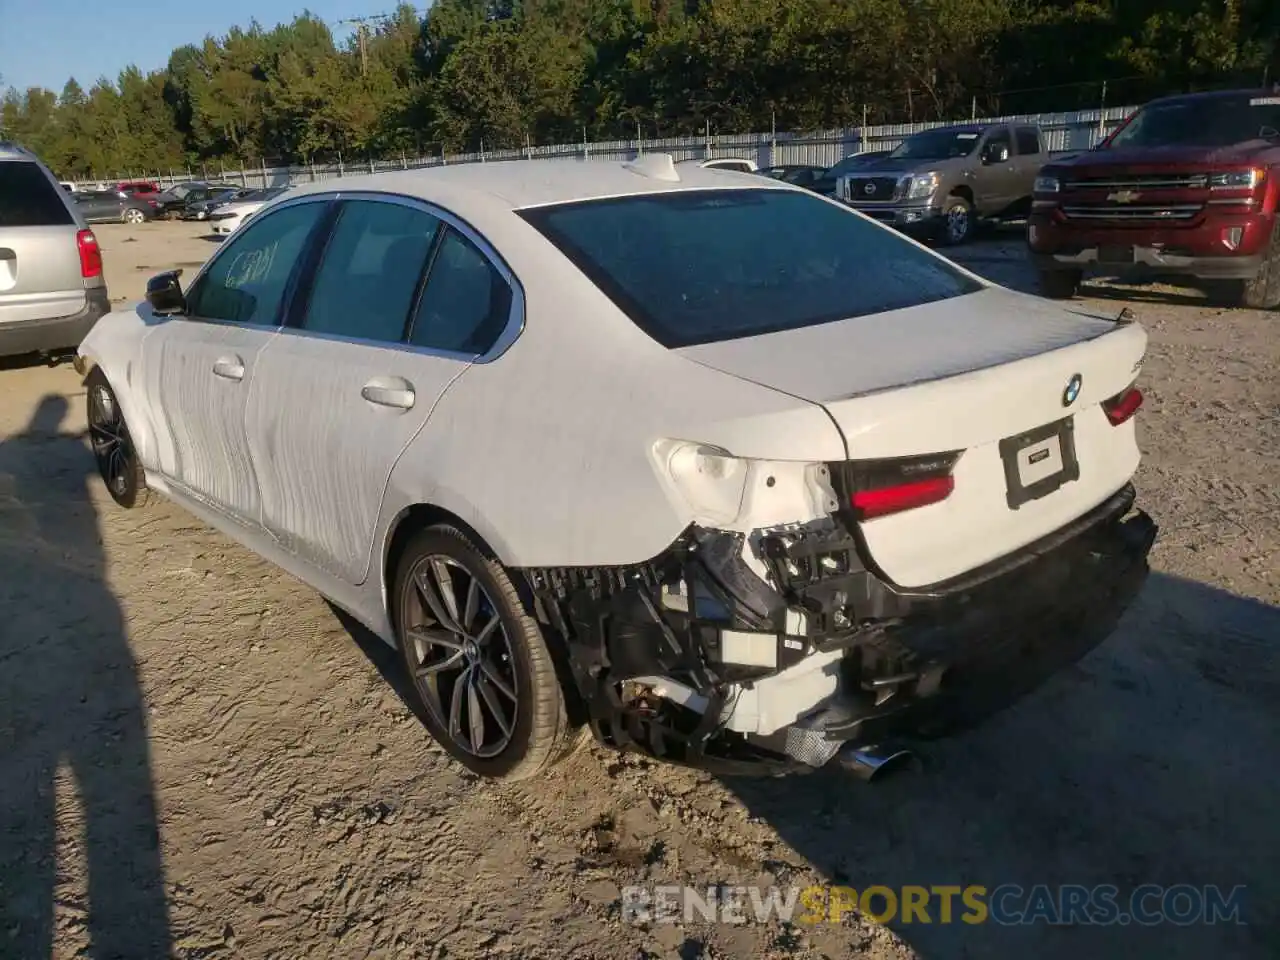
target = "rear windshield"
x: 1203, y: 122
x: 701, y: 266
x: 29, y: 199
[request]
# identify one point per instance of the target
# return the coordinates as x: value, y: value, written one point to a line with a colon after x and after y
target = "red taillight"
x: 90, y: 254
x: 869, y: 504
x: 1123, y: 405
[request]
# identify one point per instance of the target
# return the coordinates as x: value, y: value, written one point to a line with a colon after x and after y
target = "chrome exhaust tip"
x: 877, y: 761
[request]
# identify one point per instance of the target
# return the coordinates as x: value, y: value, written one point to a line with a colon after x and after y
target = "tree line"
x: 503, y: 73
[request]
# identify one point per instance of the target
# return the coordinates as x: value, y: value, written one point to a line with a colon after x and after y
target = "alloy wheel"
x: 133, y: 216
x: 461, y: 656
x: 112, y: 446
x: 957, y: 223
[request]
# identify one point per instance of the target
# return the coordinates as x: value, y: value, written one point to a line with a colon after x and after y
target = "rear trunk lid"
x: 963, y: 375
x: 39, y: 273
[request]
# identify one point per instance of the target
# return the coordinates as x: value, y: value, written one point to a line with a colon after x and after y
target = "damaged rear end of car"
x: 979, y: 533
x: 783, y: 646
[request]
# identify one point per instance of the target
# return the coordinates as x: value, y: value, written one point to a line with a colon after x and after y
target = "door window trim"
x: 448, y: 221
x: 318, y: 229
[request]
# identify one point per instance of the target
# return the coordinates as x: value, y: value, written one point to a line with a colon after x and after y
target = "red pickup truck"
x: 1188, y: 186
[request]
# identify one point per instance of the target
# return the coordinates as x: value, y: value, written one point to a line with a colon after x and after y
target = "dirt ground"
x: 199, y: 758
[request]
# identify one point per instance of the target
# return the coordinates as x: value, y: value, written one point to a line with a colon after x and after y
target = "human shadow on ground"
x: 1147, y: 762
x: 70, y: 700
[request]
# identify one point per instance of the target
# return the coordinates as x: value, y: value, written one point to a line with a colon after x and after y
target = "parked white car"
x: 726, y: 471
x: 227, y: 218
x: 733, y: 164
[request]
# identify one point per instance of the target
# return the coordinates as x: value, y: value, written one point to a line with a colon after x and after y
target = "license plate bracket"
x: 1027, y: 456
x: 1115, y: 253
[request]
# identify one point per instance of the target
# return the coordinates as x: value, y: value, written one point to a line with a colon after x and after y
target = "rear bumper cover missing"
x: 648, y: 645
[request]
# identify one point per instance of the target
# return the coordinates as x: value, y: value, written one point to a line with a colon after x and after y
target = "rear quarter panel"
x: 547, y: 450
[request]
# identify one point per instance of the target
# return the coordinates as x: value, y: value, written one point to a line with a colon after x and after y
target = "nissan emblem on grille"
x: 870, y: 188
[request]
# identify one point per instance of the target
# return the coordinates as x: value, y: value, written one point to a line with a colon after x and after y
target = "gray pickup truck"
x: 941, y: 182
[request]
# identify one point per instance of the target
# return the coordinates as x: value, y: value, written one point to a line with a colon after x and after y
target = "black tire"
x: 514, y: 654
x: 112, y: 444
x: 957, y: 225
x: 1260, y: 293
x: 1060, y: 284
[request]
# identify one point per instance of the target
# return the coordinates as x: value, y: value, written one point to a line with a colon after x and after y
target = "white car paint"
x: 562, y: 446
x: 727, y: 164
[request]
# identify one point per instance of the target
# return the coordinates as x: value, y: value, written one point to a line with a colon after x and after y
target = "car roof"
x: 15, y: 151
x: 517, y: 184
x: 1215, y: 95
x: 963, y: 128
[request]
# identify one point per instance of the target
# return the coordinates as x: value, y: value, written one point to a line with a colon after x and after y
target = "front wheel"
x: 1060, y: 284
x: 1260, y: 293
x: 133, y: 215
x: 957, y: 221
x: 480, y: 667
x: 113, y: 448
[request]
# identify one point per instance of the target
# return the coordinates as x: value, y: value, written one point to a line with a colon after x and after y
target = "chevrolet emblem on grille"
x: 1124, y: 196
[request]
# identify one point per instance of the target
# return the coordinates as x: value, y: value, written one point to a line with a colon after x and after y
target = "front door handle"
x: 389, y: 392
x: 229, y: 368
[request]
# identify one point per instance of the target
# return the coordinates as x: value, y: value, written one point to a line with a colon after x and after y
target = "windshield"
x: 1202, y: 122
x: 937, y: 145
x: 700, y: 266
x: 849, y: 164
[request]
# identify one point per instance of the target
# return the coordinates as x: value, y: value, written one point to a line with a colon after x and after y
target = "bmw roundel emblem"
x: 1072, y: 390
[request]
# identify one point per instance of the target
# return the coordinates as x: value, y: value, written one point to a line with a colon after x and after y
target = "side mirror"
x: 165, y: 295
x: 996, y: 153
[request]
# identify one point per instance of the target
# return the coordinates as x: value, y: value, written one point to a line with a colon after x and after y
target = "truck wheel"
x: 1060, y: 284
x: 957, y: 221
x: 1260, y: 293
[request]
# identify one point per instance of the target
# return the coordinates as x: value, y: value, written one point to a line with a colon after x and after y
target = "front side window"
x: 998, y: 138
x: 465, y: 303
x: 247, y: 281
x: 700, y: 266
x: 367, y: 277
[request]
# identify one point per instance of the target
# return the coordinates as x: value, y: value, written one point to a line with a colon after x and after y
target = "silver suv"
x: 51, y: 285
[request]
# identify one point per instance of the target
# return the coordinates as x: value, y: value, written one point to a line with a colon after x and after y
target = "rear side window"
x: 465, y: 303
x: 28, y: 199
x: 365, y: 284
x: 701, y: 266
x: 1028, y: 140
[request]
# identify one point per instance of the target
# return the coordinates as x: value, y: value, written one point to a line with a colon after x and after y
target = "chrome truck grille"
x: 856, y: 189
x: 1152, y: 181
x: 1132, y: 212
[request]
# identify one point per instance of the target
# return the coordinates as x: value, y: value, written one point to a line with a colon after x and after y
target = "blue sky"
x: 43, y: 42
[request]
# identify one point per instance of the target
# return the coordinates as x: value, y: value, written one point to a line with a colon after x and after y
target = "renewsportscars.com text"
x: 1007, y: 904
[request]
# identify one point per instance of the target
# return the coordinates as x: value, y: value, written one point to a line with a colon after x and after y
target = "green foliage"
x: 507, y: 72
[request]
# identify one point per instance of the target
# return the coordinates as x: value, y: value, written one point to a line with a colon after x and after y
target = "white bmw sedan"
x: 709, y: 464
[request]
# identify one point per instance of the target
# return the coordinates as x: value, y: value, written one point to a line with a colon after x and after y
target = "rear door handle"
x: 229, y: 368
x: 389, y: 392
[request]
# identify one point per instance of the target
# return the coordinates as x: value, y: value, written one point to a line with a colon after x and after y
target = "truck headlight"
x: 921, y: 186
x: 1237, y: 179
x: 1046, y: 185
